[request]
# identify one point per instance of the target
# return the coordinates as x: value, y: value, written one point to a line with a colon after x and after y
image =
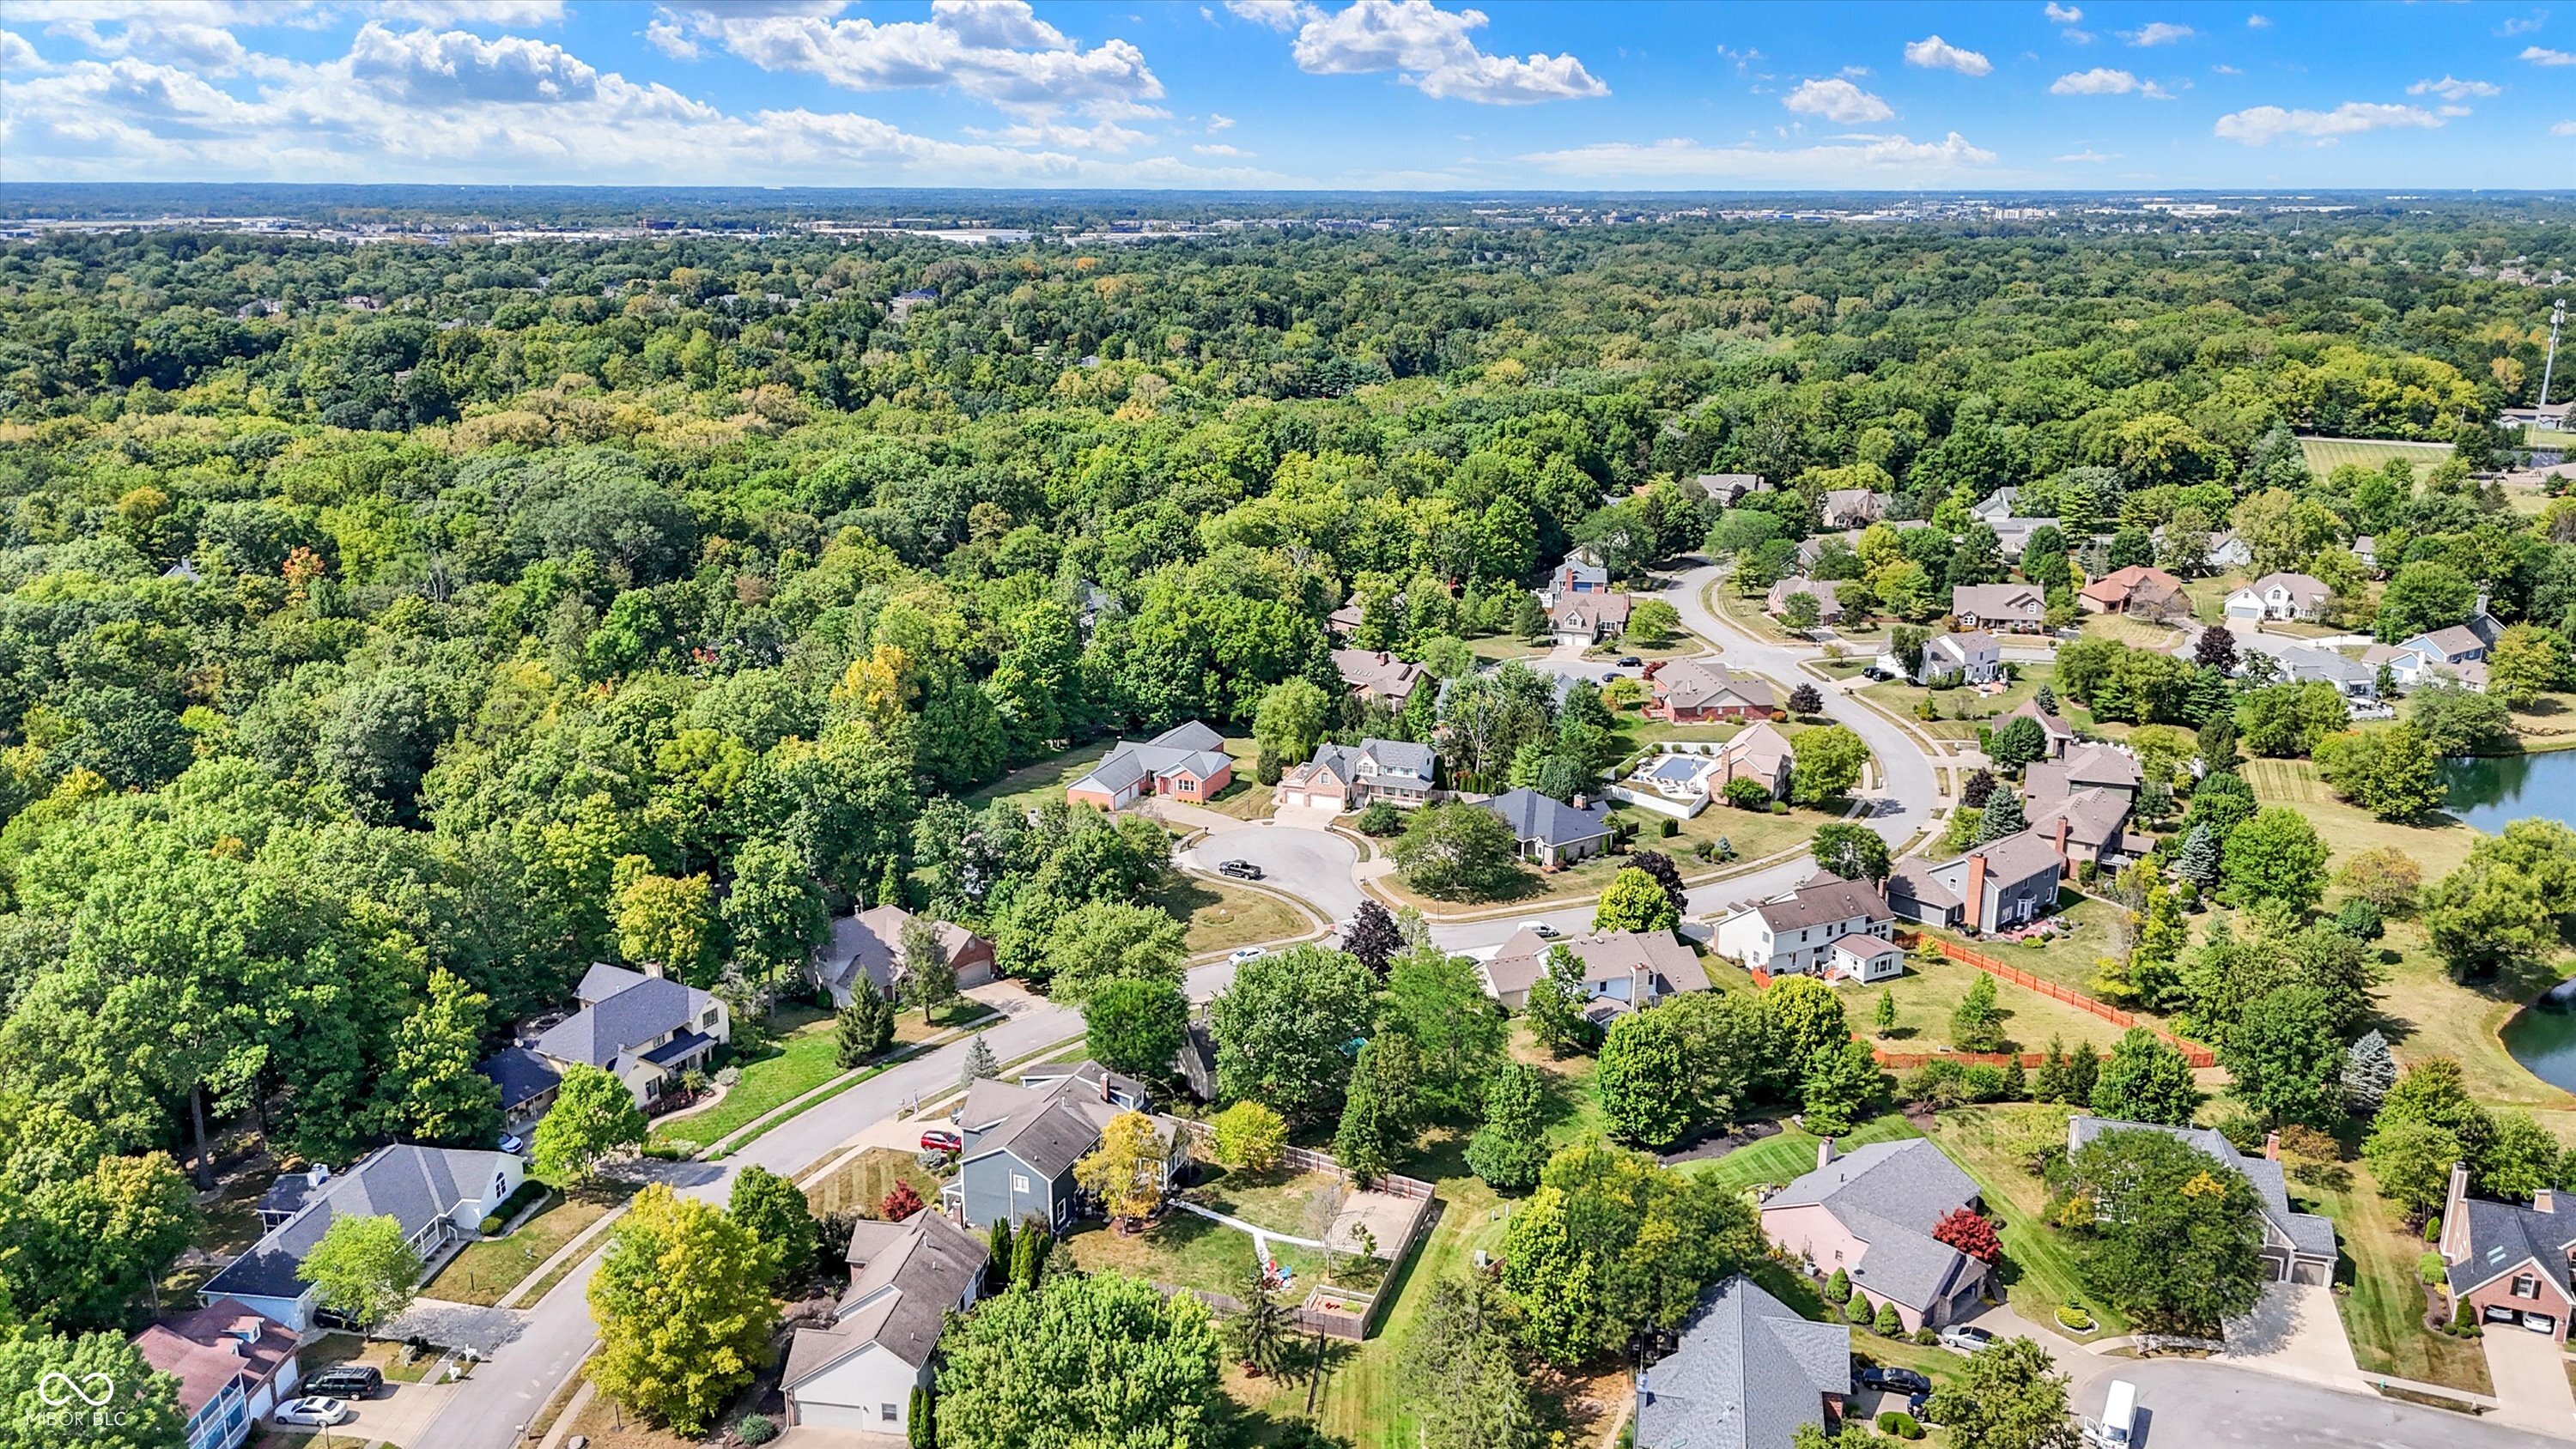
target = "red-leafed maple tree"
x: 1970, y: 1234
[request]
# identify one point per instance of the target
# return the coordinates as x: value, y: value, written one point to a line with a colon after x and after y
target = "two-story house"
x: 1022, y: 1141
x: 1997, y: 886
x: 2510, y: 1264
x: 1353, y: 777
x: 1830, y: 927
x: 1971, y: 658
x: 440, y: 1196
x: 2280, y: 596
x: 1852, y: 507
x: 1377, y: 677
x: 640, y: 1027
x: 905, y: 1279
x: 1746, y: 1373
x: 2018, y: 608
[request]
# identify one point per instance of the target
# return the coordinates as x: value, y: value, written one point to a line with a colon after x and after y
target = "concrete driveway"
x: 2295, y: 1332
x: 2530, y: 1374
x: 2189, y: 1404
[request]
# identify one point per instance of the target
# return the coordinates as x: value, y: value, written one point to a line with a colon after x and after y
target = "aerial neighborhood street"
x: 990, y: 724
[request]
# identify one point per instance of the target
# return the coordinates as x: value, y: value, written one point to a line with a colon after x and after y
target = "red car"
x: 940, y: 1139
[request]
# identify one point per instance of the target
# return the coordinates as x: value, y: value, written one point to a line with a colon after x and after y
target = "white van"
x: 2119, y: 1413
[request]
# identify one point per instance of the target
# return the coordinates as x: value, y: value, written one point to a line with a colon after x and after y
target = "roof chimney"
x: 2455, y: 1218
x: 2065, y: 860
x: 1579, y: 802
x: 2272, y: 1146
x: 2544, y: 1201
x: 318, y: 1174
x: 1825, y: 1154
x: 1976, y: 893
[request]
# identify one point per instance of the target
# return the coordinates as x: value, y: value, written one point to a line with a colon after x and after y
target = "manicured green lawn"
x: 1221, y: 917
x: 1776, y: 1161
x: 2039, y: 1270
x: 803, y: 1058
x: 2327, y: 454
x: 1963, y: 709
x: 1929, y: 991
x: 858, y: 1185
x: 1030, y: 784
x: 487, y: 1269
x: 2383, y: 1311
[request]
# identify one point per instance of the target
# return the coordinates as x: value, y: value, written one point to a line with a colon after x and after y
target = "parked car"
x: 320, y: 1413
x: 1895, y: 1380
x: 1239, y: 869
x: 1964, y: 1338
x: 1242, y: 954
x: 1540, y: 929
x: 346, y: 1381
x: 512, y: 1142
x: 1632, y: 662
x: 940, y: 1139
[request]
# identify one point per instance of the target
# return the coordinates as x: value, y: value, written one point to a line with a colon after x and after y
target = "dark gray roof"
x: 411, y: 1184
x: 2312, y: 1235
x: 1533, y: 816
x: 1890, y: 1194
x: 679, y: 1047
x: 289, y: 1192
x: 1820, y: 902
x: 1050, y: 1140
x: 521, y: 1074
x: 1190, y: 748
x: 637, y: 1012
x: 1912, y: 880
x: 2504, y: 1235
x: 1749, y: 1371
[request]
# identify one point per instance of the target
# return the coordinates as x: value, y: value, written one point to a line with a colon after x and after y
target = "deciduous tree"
x: 681, y: 1301
x: 1028, y: 1368
x: 594, y: 1115
x: 2146, y: 1080
x: 1136, y: 1026
x: 363, y: 1269
x: 1282, y: 1027
x: 1126, y: 1171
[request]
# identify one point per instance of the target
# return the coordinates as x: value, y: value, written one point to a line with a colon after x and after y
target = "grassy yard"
x: 858, y: 1185
x: 2068, y: 960
x: 1221, y: 917
x: 1046, y: 779
x: 487, y: 1269
x: 802, y: 1057
x: 1297, y: 1203
x: 2383, y: 1309
x: 1777, y: 1161
x: 1186, y: 1251
x: 2327, y: 454
x: 1961, y: 710
x: 1506, y: 646
x: 2136, y: 633
x: 1929, y: 990
x: 2039, y: 1267
x: 1753, y: 834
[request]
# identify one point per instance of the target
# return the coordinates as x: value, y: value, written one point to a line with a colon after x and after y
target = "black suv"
x: 1239, y: 869
x: 348, y: 1381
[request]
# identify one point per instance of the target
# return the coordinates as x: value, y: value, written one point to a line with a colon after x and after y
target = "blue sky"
x: 1402, y: 94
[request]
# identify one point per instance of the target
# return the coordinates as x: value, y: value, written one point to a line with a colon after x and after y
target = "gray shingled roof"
x: 1606, y: 956
x: 2309, y: 1233
x: 1820, y: 902
x: 413, y: 1185
x: 636, y: 1012
x: 899, y: 1300
x: 521, y: 1075
x: 1190, y: 747
x: 1533, y: 816
x: 1890, y: 1194
x: 2504, y: 1235
x: 1749, y: 1371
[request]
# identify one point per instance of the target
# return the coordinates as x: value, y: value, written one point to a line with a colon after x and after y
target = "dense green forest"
x: 377, y: 615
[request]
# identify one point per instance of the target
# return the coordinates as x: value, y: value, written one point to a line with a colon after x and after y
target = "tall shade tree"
x: 774, y: 912
x: 681, y: 1301
x: 594, y: 1115
x: 1634, y: 901
x: 1437, y: 1002
x: 929, y: 976
x: 1511, y: 1146
x: 668, y: 922
x: 90, y: 1246
x: 1463, y: 1371
x: 2146, y: 1080
x: 1457, y: 851
x: 1282, y: 1027
x: 1136, y: 1026
x: 432, y: 1093
x: 1611, y: 1244
x: 1644, y: 1080
x: 776, y: 1212
x: 1103, y: 941
x: 1854, y: 852
x: 2175, y: 1238
x: 2009, y: 1395
x: 1290, y: 723
x: 1126, y: 1172
x: 363, y: 1269
x: 1029, y: 1368
x: 1828, y: 765
x: 142, y: 1412
x: 1380, y: 1107
x: 2276, y: 856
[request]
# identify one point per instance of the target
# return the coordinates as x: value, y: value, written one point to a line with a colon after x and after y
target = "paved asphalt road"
x: 2186, y: 1404
x: 496, y: 1404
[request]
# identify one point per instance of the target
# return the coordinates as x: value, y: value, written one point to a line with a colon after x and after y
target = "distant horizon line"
x: 2386, y: 192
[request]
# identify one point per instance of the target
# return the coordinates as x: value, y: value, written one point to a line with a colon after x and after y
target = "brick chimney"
x: 2063, y: 858
x: 2272, y: 1146
x: 1825, y: 1154
x: 1976, y: 894
x: 1580, y: 803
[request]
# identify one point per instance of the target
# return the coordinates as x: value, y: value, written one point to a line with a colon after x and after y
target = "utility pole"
x: 2557, y: 318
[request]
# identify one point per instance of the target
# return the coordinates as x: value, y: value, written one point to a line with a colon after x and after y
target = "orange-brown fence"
x: 2192, y: 1051
x: 1908, y: 1061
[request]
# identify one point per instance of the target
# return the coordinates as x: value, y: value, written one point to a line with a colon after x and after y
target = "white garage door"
x: 841, y: 1416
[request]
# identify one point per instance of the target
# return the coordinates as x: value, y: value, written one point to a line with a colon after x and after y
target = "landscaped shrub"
x: 1888, y: 1323
x: 755, y: 1429
x: 2433, y: 1228
x: 1669, y: 828
x: 1926, y: 1337
x: 490, y: 1225
x: 1838, y: 1287
x: 1381, y: 818
x: 2074, y: 1316
x: 1899, y: 1424
x: 2430, y: 1268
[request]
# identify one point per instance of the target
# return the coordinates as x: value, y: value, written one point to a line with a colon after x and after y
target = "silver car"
x: 321, y: 1413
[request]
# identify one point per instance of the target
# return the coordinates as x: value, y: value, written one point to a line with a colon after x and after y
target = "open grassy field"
x: 2136, y: 633
x: 858, y: 1185
x: 2327, y: 454
x: 1929, y: 990
x: 1030, y: 784
x: 2067, y: 960
x: 1186, y: 1251
x: 2039, y: 1270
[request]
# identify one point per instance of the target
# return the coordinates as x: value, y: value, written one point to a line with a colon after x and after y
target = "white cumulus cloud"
x: 2062, y: 14
x: 1277, y: 14
x: 1431, y: 49
x: 2452, y: 89
x: 998, y: 52
x: 2258, y: 22
x: 1220, y: 149
x: 2263, y: 125
x: 2104, y: 81
x: 2087, y: 156
x: 2563, y: 128
x: 17, y: 54
x: 1837, y: 100
x: 444, y: 67
x: 2158, y: 33
x: 2542, y: 55
x: 1934, y: 53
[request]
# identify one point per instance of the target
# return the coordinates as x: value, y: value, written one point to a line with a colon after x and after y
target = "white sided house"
x: 440, y: 1195
x: 905, y: 1278
x: 2279, y: 596
x: 1830, y: 927
x: 1971, y: 658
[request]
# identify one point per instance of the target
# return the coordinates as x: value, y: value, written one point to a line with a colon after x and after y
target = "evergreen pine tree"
x: 2016, y: 1080
x: 863, y: 1028
x: 1029, y: 1255
x: 2050, y: 1084
x: 2199, y: 860
x: 1838, y: 1287
x: 2045, y: 698
x: 997, y: 1256
x: 2004, y: 816
x: 1888, y: 1324
x: 979, y: 1063
x: 920, y: 1432
x: 2083, y: 1069
x: 2368, y: 1072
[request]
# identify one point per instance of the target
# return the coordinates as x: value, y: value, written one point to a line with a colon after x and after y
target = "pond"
x: 2490, y: 790
x: 2543, y: 1037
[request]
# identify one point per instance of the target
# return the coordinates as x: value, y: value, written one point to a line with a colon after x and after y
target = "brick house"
x: 1187, y: 762
x: 2510, y: 1263
x: 1871, y: 1214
